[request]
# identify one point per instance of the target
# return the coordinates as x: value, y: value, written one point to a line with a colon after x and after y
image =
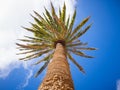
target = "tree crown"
x: 51, y: 29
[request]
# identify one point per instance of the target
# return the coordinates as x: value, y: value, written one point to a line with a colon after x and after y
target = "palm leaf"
x: 41, y: 26
x: 73, y: 60
x: 28, y: 46
x: 60, y: 15
x: 30, y: 51
x: 35, y: 55
x: 71, y: 25
x: 63, y: 14
x: 63, y: 30
x: 80, y: 25
x: 85, y: 48
x: 51, y: 20
x: 67, y: 23
x: 34, y: 46
x: 48, y: 57
x: 74, y: 44
x: 79, y: 53
x: 29, y: 29
x: 38, y: 39
x: 79, y: 33
x: 26, y: 40
x: 42, y: 68
x: 56, y: 22
x: 37, y: 20
x: 53, y: 10
x: 51, y: 29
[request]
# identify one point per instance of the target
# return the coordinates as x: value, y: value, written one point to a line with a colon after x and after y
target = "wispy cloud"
x: 14, y: 14
x: 29, y: 73
x: 118, y: 85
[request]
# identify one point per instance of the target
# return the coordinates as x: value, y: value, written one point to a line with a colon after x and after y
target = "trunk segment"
x: 58, y: 76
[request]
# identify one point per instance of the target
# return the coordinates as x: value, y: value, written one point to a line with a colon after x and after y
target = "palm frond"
x: 39, y: 39
x: 74, y: 37
x: 35, y: 55
x: 34, y: 46
x: 48, y: 57
x: 63, y: 28
x: 79, y: 53
x: 42, y: 68
x: 75, y: 44
x: 67, y: 23
x: 51, y: 29
x: 85, y: 48
x: 80, y: 26
x: 51, y: 20
x: 53, y: 9
x: 29, y: 46
x: 26, y: 52
x: 71, y: 25
x: 63, y: 14
x: 73, y: 60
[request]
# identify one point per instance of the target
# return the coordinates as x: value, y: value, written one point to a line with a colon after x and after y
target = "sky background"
x: 102, y: 72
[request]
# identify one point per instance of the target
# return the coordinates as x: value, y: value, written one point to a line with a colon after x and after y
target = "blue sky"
x: 102, y: 72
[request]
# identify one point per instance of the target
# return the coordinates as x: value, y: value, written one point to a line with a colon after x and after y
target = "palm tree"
x: 55, y: 38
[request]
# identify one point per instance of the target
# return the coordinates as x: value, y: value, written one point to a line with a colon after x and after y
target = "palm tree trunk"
x: 58, y: 76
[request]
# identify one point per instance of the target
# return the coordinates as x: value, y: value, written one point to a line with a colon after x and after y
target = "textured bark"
x: 58, y: 76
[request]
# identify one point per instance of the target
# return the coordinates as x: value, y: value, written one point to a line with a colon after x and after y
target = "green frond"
x: 40, y: 40
x: 53, y: 9
x: 26, y: 40
x: 67, y: 23
x: 38, y: 15
x: 35, y: 55
x: 74, y: 44
x: 46, y: 18
x: 29, y: 46
x: 48, y: 27
x: 28, y: 29
x: 42, y: 68
x: 79, y: 26
x: 49, y: 15
x: 35, y: 39
x: 86, y: 48
x: 79, y: 53
x: 54, y: 14
x: 51, y: 20
x: 60, y: 15
x: 26, y: 52
x: 34, y: 46
x: 63, y: 28
x: 73, y: 60
x: 74, y: 37
x: 48, y: 57
x: 37, y: 20
x: 72, y: 20
x: 63, y: 14
x: 37, y: 32
x: 71, y: 25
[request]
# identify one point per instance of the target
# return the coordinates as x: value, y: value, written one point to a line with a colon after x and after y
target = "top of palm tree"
x: 51, y: 29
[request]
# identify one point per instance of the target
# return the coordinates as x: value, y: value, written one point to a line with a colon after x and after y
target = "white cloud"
x: 28, y: 76
x: 13, y: 14
x: 118, y: 85
x: 11, y: 18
